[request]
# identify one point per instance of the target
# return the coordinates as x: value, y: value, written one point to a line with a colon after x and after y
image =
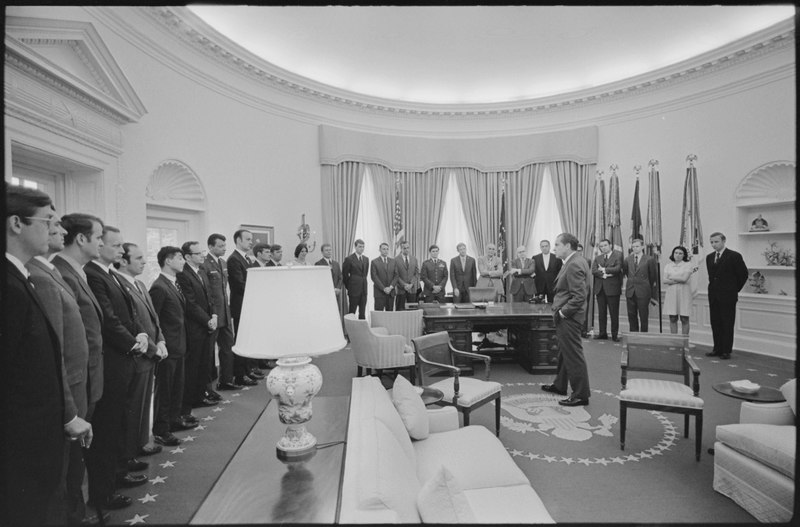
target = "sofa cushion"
x: 441, y: 500
x: 473, y: 454
x: 410, y: 407
x: 387, y: 479
x: 508, y: 505
x: 378, y: 404
x: 772, y: 445
x: 789, y: 391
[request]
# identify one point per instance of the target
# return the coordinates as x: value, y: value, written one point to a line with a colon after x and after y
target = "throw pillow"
x: 410, y: 407
x: 789, y: 391
x: 441, y: 500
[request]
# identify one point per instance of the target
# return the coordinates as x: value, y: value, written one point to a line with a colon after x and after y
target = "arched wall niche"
x: 174, y: 184
x: 772, y: 181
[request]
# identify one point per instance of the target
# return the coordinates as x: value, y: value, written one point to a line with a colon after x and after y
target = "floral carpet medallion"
x: 543, y: 430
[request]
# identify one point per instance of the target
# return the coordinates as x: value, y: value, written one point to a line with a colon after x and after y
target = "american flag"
x: 397, y: 224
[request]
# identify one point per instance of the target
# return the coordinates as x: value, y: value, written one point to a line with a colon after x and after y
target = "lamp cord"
x: 332, y: 443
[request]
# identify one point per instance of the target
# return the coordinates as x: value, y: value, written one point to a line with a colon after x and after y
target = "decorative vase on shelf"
x: 759, y: 225
x: 757, y: 281
x: 777, y: 255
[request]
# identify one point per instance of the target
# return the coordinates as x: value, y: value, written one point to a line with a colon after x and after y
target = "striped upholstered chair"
x: 406, y: 323
x: 375, y: 350
x: 662, y: 354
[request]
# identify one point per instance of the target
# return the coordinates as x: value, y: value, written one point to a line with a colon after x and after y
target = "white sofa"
x: 754, y: 460
x: 385, y: 471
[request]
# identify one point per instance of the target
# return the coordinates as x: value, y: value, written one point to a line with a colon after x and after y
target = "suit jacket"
x: 62, y: 309
x: 32, y: 412
x: 237, y: 280
x: 217, y: 287
x: 611, y: 286
x: 92, y: 317
x: 524, y: 280
x: 148, y: 318
x: 168, y: 303
x: 271, y: 263
x: 198, y: 302
x: 572, y: 288
x: 546, y: 280
x: 383, y: 275
x: 119, y: 316
x: 354, y: 274
x: 463, y: 278
x: 642, y: 281
x: 727, y: 277
x: 433, y: 274
x: 336, y: 272
x: 407, y: 274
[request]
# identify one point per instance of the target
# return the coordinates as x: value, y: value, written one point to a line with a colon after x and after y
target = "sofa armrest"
x: 766, y: 413
x: 442, y: 419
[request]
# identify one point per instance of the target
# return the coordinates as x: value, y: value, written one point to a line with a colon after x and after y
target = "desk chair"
x: 663, y: 354
x: 375, y: 349
x: 485, y: 294
x: 435, y: 353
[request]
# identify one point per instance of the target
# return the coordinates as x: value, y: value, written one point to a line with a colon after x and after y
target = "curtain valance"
x: 488, y: 154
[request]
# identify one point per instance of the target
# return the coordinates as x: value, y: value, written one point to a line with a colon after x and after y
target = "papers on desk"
x: 463, y: 306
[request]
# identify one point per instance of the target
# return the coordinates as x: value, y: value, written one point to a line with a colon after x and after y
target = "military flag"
x: 636, y: 213
x: 613, y: 215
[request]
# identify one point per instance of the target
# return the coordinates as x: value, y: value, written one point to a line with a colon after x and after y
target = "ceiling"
x: 475, y: 54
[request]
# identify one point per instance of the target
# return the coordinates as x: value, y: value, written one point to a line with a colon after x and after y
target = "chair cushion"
x: 441, y: 500
x: 410, y: 407
x: 660, y: 392
x: 772, y: 445
x: 470, y: 390
x: 789, y: 391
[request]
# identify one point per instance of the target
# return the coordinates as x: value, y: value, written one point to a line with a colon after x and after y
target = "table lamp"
x: 290, y: 314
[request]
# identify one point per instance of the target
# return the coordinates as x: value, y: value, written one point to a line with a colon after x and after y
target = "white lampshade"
x: 289, y: 312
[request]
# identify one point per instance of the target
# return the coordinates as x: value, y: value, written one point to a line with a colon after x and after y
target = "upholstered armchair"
x: 375, y: 349
x: 405, y: 323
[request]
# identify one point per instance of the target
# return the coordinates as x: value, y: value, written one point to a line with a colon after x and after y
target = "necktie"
x: 406, y: 262
x: 384, y: 261
x: 635, y: 263
x: 716, y: 258
x: 605, y: 259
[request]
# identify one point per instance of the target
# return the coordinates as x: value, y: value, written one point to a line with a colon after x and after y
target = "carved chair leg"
x: 698, y: 426
x: 623, y: 419
x: 359, y: 372
x: 686, y: 425
x: 497, y: 416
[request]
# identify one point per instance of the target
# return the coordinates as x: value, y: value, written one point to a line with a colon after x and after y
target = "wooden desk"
x: 531, y: 331
x: 256, y: 487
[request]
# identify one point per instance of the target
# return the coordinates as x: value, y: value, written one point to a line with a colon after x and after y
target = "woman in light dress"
x: 678, y: 279
x: 300, y: 253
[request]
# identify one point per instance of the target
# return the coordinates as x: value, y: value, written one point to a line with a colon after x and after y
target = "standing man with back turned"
x: 727, y: 274
x: 569, y: 310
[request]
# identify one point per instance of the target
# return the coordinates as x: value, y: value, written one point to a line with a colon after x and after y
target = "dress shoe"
x: 149, y: 450
x: 94, y: 519
x: 113, y: 502
x: 204, y: 403
x: 245, y: 381
x: 131, y: 480
x: 615, y: 338
x: 725, y: 356
x: 573, y: 401
x: 228, y: 386
x: 213, y: 396
x: 178, y: 426
x: 712, y: 354
x: 189, y: 418
x: 552, y: 389
x: 585, y: 335
x: 134, y: 465
x: 256, y: 374
x: 602, y: 336
x: 167, y: 440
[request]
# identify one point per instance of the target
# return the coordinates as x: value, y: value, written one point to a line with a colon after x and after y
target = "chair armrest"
x: 695, y: 374
x: 766, y: 413
x: 442, y: 419
x: 447, y: 367
x: 379, y: 330
x: 487, y: 360
x: 624, y: 366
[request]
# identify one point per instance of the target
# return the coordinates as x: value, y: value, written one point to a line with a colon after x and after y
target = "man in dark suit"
x: 124, y: 343
x: 169, y: 304
x: 354, y: 276
x: 407, y: 277
x: 546, y: 267
x: 275, y: 256
x: 463, y: 274
x: 523, y: 285
x: 201, y: 323
x: 238, y: 263
x: 607, y: 271
x: 32, y: 412
x: 569, y: 310
x: 231, y: 366
x: 62, y: 309
x: 336, y: 271
x: 641, y: 286
x: 262, y: 253
x: 434, y: 276
x: 727, y: 274
x: 140, y: 395
x: 384, y: 277
x: 82, y: 240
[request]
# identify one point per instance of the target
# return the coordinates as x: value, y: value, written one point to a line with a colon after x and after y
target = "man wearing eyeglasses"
x: 32, y: 412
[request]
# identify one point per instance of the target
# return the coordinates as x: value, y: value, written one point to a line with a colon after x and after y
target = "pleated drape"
x: 383, y: 181
x: 573, y: 185
x: 422, y: 203
x: 480, y: 197
x: 523, y: 189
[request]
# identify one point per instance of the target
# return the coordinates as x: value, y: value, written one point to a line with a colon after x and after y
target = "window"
x: 453, y: 229
x: 547, y: 222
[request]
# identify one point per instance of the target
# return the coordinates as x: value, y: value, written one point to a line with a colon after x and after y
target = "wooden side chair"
x: 374, y: 349
x: 435, y: 354
x: 663, y: 354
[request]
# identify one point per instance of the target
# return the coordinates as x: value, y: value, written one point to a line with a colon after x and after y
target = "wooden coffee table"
x: 765, y: 394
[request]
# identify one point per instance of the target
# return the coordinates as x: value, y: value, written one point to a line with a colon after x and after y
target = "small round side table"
x: 765, y: 394
x: 431, y: 395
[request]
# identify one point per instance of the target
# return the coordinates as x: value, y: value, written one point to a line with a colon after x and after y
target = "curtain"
x: 480, y: 196
x: 574, y: 188
x: 383, y: 179
x: 523, y: 189
x: 422, y: 203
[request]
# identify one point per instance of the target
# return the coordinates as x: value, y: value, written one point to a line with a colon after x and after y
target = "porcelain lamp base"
x: 294, y: 382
